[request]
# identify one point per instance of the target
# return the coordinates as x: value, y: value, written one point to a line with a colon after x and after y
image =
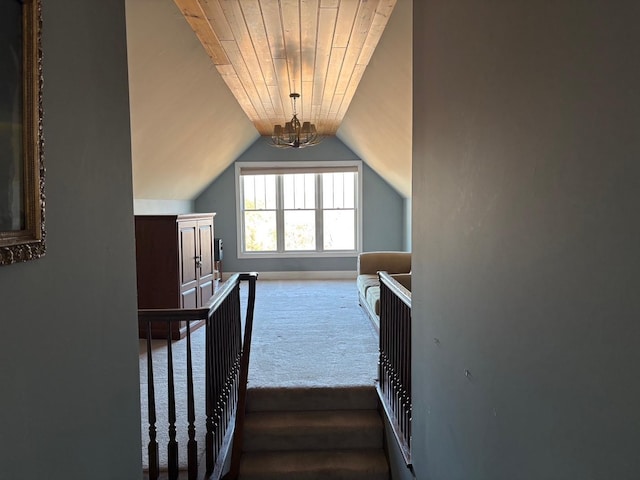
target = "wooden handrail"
x: 394, y: 382
x: 396, y: 288
x: 227, y: 360
x: 193, y: 314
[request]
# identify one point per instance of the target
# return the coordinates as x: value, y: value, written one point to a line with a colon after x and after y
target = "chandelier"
x: 295, y: 134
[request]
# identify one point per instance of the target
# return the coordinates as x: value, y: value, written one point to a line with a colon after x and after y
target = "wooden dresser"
x: 175, y: 265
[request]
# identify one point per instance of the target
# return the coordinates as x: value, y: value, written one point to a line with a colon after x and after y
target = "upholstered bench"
x: 397, y: 264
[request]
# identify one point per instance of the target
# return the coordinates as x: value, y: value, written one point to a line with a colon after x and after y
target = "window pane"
x: 339, y: 230
x: 299, y: 230
x: 270, y: 191
x: 259, y: 192
x: 338, y: 190
x: 260, y: 196
x: 299, y: 190
x: 310, y: 191
x: 327, y: 190
x: 260, y: 231
x: 349, y: 190
x: 288, y: 193
x: 249, y: 190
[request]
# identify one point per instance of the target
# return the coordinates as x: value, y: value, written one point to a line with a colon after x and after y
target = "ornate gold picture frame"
x: 22, y: 173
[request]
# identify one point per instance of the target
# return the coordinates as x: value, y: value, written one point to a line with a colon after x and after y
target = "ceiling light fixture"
x: 295, y: 134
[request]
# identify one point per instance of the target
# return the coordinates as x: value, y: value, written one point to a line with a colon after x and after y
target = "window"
x: 298, y: 209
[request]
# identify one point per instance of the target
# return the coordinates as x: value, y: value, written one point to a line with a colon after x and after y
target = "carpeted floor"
x: 311, y: 334
x: 305, y: 334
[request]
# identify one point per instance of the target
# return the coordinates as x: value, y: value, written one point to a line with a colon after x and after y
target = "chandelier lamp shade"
x: 295, y: 134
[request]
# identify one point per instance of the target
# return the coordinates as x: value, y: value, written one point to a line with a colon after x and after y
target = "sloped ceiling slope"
x: 186, y: 126
x: 377, y: 126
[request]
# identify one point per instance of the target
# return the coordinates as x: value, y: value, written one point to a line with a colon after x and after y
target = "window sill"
x: 332, y: 254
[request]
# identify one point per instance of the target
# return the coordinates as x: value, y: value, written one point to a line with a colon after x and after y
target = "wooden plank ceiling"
x: 267, y: 49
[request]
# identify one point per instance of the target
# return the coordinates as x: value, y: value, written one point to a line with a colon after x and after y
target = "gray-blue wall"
x: 526, y: 264
x: 383, y: 210
x: 70, y: 407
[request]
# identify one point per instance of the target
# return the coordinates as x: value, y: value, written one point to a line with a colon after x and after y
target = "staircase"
x: 313, y: 433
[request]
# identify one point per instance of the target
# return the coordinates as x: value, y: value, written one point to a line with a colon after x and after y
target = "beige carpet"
x: 305, y: 334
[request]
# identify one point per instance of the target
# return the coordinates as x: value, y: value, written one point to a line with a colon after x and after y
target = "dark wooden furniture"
x: 175, y: 265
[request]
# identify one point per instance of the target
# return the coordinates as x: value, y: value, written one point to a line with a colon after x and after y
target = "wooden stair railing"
x: 236, y: 451
x: 226, y: 367
x: 394, y: 376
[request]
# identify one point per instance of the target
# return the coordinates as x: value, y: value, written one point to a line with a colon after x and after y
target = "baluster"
x: 172, y: 446
x: 410, y: 412
x: 218, y: 375
x: 209, y: 398
x: 245, y: 352
x: 192, y: 444
x: 383, y: 341
x: 401, y: 365
x: 226, y: 362
x: 389, y: 358
x: 402, y: 340
x: 221, y: 375
x: 235, y: 346
x: 218, y: 342
x: 406, y: 418
x: 154, y: 465
x: 392, y: 347
x: 396, y: 353
x: 227, y: 367
x: 231, y: 384
x: 404, y: 363
x: 407, y: 345
x: 409, y: 418
x: 380, y: 362
x: 237, y: 335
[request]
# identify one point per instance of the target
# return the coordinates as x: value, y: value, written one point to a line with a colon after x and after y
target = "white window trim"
x: 292, y: 165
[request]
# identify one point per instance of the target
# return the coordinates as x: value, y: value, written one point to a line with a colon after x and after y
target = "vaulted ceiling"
x: 266, y: 49
x: 208, y: 77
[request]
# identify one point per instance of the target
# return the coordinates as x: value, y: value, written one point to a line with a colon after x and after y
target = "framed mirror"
x: 22, y: 173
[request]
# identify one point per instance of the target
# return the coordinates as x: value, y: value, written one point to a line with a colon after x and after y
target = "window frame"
x: 290, y: 168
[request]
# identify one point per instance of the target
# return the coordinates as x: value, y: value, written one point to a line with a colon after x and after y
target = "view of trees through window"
x: 303, y: 212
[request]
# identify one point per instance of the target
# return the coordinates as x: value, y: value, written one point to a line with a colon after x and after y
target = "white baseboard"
x: 304, y: 275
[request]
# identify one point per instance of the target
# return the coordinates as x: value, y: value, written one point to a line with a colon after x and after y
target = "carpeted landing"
x: 313, y: 350
x: 312, y: 334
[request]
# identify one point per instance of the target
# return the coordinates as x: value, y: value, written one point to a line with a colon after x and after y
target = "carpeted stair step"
x: 314, y: 398
x: 312, y: 430
x: 315, y: 465
x: 313, y: 434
